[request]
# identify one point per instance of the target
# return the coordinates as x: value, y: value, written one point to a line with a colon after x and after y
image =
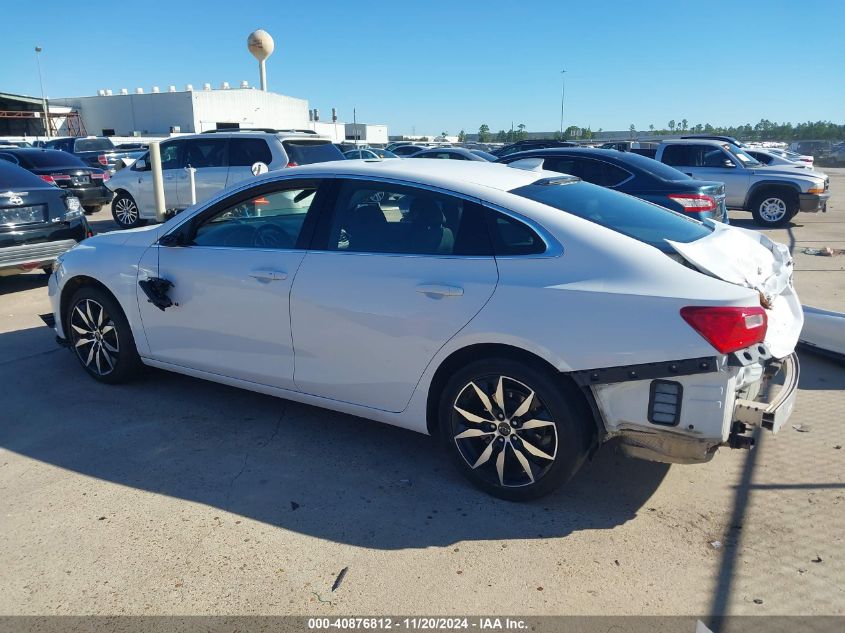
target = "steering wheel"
x: 271, y: 236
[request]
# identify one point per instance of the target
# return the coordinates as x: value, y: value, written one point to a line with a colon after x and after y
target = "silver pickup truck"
x: 772, y: 195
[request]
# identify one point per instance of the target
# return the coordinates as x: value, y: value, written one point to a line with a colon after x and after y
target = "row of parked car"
x: 699, y: 176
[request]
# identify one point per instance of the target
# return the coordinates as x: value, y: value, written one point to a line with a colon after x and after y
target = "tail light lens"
x: 694, y: 202
x: 293, y: 163
x: 102, y: 159
x: 104, y: 176
x: 728, y: 329
x: 49, y: 179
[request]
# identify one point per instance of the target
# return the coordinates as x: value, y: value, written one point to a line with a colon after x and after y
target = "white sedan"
x: 525, y: 317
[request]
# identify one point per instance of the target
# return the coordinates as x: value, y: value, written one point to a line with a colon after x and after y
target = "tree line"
x: 765, y: 130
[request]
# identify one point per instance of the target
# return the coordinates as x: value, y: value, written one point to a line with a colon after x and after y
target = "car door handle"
x: 268, y: 275
x: 440, y: 290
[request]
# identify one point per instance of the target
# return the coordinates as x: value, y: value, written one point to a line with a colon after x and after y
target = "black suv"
x: 38, y: 221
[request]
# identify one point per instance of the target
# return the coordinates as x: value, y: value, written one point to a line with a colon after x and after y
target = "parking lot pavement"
x: 171, y: 495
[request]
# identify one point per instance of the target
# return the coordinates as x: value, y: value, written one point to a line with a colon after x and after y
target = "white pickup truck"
x: 773, y: 195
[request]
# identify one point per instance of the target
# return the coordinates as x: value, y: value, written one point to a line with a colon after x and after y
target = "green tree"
x: 462, y: 137
x: 651, y: 128
x: 672, y: 126
x: 483, y: 133
x: 633, y: 130
x: 521, y: 131
x: 444, y: 134
x: 501, y: 137
x: 684, y: 124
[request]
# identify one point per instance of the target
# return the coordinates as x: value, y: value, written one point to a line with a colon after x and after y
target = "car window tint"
x: 614, y: 175
x: 307, y: 152
x: 512, y: 237
x: 627, y: 215
x: 9, y: 158
x: 267, y: 221
x: 209, y: 152
x: 709, y: 156
x: 560, y: 165
x: 245, y: 152
x: 375, y: 217
x: 677, y: 155
x: 170, y: 155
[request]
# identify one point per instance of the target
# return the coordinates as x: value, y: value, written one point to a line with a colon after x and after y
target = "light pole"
x: 562, y: 95
x: 43, y: 100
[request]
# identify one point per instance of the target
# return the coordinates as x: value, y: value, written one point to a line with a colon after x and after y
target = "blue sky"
x: 446, y: 65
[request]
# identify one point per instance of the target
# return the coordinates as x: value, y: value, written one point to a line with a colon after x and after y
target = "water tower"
x: 261, y: 45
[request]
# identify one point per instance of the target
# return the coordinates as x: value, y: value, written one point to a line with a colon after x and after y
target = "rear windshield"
x: 92, y: 145
x: 624, y: 214
x: 49, y: 158
x: 655, y: 167
x: 12, y: 177
x: 304, y: 152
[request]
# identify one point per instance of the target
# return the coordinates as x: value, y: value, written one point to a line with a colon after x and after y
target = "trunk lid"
x: 750, y: 259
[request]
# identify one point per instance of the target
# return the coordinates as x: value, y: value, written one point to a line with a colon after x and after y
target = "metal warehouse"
x: 187, y: 111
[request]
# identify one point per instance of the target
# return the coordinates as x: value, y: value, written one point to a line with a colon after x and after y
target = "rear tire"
x: 100, y: 336
x: 517, y: 451
x: 90, y: 210
x: 773, y: 208
x: 125, y: 211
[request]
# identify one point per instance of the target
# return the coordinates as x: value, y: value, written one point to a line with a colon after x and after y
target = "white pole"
x: 193, y: 181
x: 263, y: 70
x: 43, y: 100
x: 158, y: 180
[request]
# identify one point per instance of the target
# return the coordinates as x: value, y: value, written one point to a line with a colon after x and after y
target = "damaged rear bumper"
x: 772, y: 415
x: 708, y: 410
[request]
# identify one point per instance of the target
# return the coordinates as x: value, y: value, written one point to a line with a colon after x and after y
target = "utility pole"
x: 43, y: 100
x: 562, y: 95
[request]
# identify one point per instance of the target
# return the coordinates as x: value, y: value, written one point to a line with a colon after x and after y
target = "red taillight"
x: 104, y: 176
x: 293, y: 163
x: 102, y: 159
x: 726, y: 328
x: 60, y: 177
x: 694, y: 202
x: 48, y: 179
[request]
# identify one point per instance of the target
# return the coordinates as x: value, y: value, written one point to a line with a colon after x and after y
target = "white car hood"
x: 750, y: 259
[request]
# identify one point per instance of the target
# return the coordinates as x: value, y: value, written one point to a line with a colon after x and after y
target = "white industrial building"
x: 160, y: 113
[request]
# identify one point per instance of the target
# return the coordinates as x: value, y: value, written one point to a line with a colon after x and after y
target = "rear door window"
x: 641, y: 220
x: 677, y: 155
x: 307, y: 152
x: 512, y: 237
x: 245, y: 152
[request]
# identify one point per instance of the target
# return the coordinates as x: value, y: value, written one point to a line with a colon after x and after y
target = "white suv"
x: 221, y: 158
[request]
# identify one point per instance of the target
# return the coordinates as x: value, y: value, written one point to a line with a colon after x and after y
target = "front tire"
x: 125, y: 211
x: 100, y: 336
x: 514, y: 430
x: 774, y: 208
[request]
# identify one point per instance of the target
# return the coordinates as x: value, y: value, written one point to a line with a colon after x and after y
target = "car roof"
x: 438, y: 173
x: 698, y: 140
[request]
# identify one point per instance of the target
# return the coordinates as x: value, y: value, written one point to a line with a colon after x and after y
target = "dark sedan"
x: 632, y: 174
x: 38, y: 221
x: 455, y: 153
x: 66, y: 171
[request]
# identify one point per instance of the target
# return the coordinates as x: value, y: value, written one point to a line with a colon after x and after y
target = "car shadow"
x: 289, y: 465
x: 22, y: 282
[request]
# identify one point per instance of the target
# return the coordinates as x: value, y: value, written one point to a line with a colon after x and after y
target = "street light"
x: 43, y: 100
x: 562, y: 94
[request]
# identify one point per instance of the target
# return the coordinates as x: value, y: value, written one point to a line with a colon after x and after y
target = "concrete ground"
x: 176, y: 496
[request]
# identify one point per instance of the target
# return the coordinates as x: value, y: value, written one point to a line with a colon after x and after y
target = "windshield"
x: 742, y: 156
x: 624, y: 214
x: 93, y: 145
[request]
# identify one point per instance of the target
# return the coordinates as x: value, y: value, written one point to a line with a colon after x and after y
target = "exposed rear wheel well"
x: 494, y: 350
x: 74, y: 284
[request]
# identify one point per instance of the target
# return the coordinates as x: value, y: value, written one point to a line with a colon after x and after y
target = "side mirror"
x: 176, y: 238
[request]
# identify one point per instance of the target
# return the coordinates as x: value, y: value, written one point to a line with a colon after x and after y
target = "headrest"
x: 425, y: 211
